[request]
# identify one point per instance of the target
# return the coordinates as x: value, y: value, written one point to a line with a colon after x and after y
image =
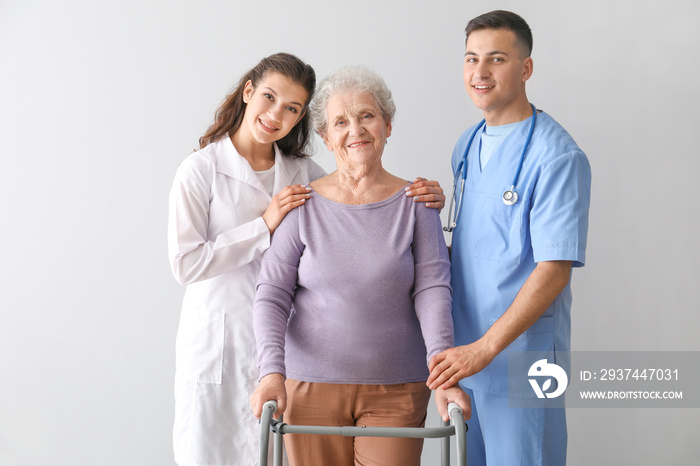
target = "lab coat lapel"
x: 285, y: 170
x: 230, y: 163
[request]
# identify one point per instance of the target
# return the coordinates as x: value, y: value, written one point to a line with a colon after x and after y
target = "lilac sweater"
x: 354, y: 293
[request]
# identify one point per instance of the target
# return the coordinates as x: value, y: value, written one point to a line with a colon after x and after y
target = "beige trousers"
x: 323, y: 404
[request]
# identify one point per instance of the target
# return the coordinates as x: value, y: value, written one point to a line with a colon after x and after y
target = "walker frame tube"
x: 279, y: 428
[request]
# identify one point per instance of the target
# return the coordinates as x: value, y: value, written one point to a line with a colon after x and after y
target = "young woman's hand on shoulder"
x: 282, y: 202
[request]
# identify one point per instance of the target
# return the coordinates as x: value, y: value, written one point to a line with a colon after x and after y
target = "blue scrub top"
x: 495, y: 247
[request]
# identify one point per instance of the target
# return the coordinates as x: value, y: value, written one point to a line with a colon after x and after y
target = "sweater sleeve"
x: 274, y: 294
x: 432, y: 293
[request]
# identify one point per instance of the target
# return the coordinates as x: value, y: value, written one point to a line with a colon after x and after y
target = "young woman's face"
x: 273, y: 107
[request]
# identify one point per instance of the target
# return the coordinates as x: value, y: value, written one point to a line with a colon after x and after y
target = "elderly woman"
x: 353, y: 297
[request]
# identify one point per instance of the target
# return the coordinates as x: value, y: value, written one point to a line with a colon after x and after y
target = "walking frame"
x: 279, y: 428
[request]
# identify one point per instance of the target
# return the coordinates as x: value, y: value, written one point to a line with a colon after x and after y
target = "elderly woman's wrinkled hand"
x: 271, y: 387
x: 444, y: 397
x: 430, y: 192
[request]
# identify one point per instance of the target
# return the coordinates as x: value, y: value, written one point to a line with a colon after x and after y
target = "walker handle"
x: 457, y: 416
x: 269, y: 408
x: 452, y: 406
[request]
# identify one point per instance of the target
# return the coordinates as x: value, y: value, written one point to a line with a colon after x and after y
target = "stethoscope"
x: 510, y: 197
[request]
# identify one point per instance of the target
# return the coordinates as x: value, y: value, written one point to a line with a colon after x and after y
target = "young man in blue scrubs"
x: 511, y: 264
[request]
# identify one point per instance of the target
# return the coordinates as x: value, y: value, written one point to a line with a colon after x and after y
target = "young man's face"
x: 495, y: 71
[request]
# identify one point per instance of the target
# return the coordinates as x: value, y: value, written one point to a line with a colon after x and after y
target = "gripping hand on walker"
x: 271, y: 387
x: 444, y: 397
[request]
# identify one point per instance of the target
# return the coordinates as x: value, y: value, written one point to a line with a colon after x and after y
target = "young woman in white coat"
x: 226, y: 201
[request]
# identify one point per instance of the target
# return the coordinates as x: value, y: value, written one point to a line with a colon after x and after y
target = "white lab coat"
x: 216, y: 237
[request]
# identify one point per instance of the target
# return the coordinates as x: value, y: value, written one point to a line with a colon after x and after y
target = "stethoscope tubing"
x: 510, y: 196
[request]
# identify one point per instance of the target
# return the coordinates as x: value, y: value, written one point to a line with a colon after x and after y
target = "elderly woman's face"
x: 357, y: 130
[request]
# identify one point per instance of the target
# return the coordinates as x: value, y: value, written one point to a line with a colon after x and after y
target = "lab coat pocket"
x: 499, y: 237
x: 201, y: 347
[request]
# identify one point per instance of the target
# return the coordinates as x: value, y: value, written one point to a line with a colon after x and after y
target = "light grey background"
x: 101, y: 100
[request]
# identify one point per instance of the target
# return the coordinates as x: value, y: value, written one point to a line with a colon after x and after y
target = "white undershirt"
x: 267, y: 178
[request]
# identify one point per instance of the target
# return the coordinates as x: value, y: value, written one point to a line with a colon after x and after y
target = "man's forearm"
x: 544, y: 284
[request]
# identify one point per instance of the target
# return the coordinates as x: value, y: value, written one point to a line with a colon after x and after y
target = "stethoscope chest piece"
x: 510, y: 197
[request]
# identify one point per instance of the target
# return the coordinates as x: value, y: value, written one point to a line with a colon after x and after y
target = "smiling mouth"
x: 267, y: 126
x: 482, y: 88
x: 357, y: 144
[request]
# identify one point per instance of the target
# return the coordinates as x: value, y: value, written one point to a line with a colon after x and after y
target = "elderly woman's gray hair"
x: 350, y: 78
